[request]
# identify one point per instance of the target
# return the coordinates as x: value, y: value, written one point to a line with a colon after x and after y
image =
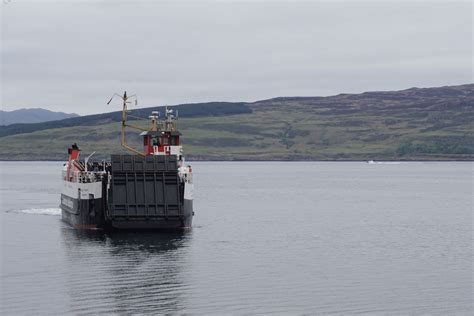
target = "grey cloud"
x: 75, y: 54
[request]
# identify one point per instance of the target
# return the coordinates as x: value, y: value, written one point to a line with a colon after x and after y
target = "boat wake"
x: 38, y: 211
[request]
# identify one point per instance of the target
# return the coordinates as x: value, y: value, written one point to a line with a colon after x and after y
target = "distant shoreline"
x: 418, y: 124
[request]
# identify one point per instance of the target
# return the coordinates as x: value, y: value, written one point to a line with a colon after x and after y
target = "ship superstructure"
x: 150, y: 189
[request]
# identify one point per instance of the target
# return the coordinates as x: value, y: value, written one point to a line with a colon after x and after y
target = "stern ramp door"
x: 144, y: 188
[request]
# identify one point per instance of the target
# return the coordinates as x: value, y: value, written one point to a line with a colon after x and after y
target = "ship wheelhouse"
x: 163, y: 137
x: 162, y: 143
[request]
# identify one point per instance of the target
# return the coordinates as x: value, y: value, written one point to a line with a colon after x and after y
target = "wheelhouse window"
x: 165, y: 140
x: 156, y: 142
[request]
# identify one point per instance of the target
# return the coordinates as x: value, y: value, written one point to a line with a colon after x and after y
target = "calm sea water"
x: 291, y: 238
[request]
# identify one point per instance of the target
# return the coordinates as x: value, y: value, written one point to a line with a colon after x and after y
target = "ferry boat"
x: 146, y: 190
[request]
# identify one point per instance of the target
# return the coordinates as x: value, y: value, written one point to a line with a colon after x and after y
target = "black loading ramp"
x: 144, y: 188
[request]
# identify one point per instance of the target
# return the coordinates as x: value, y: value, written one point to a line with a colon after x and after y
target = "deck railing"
x: 83, y: 176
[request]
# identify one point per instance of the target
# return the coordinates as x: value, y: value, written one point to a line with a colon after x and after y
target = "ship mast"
x: 125, y: 99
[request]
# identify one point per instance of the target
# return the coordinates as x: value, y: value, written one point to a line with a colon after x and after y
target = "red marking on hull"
x: 85, y: 226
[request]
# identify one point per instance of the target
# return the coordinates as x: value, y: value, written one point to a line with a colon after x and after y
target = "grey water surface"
x: 268, y: 237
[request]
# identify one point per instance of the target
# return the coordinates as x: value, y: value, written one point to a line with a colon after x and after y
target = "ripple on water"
x: 38, y: 211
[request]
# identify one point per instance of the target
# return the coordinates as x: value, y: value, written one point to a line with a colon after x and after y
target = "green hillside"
x: 433, y: 123
x: 188, y: 110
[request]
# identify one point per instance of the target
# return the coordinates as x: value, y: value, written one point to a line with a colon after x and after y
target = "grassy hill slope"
x: 433, y: 123
x: 188, y: 110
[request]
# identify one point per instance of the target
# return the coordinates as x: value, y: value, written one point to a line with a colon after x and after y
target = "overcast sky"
x: 72, y: 55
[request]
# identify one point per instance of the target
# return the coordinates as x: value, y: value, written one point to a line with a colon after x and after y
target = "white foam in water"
x: 39, y: 211
x: 384, y: 162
